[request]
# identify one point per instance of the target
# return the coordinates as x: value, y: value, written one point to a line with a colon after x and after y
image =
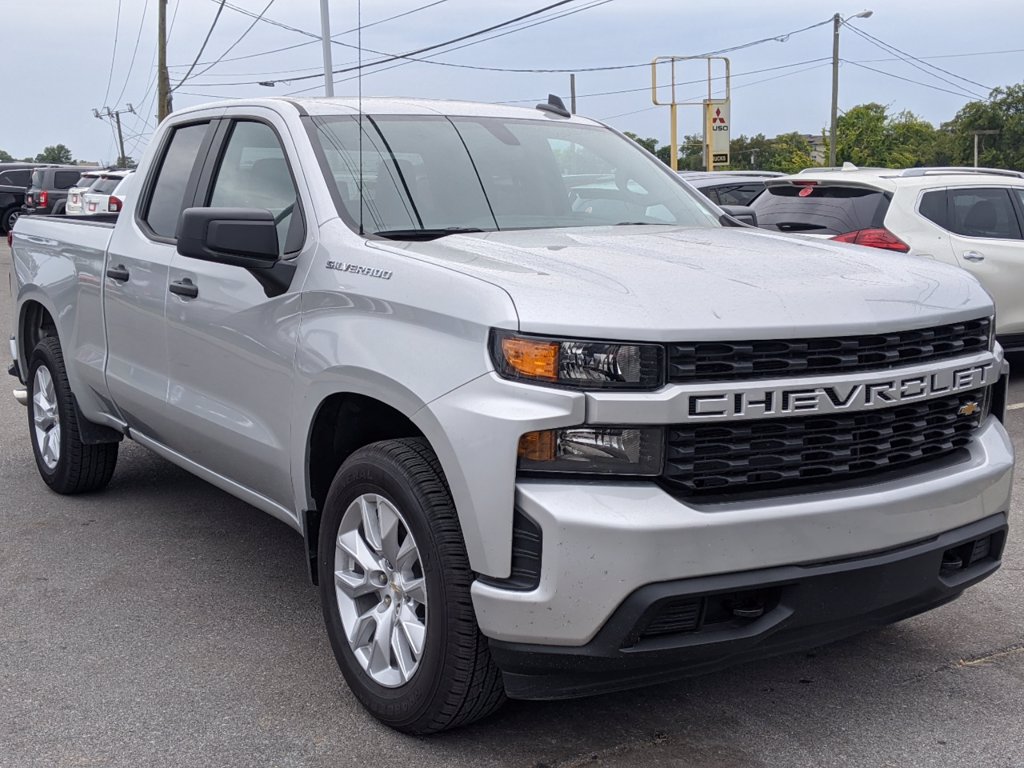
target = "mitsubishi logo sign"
x: 716, y: 127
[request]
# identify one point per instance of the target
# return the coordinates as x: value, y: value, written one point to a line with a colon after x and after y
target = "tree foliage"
x: 4, y: 157
x: 1003, y: 112
x: 57, y: 153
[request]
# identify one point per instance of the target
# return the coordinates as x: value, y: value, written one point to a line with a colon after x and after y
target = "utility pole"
x: 163, y: 80
x: 837, y: 21
x: 976, y: 135
x: 325, y: 39
x: 572, y: 92
x: 116, y: 114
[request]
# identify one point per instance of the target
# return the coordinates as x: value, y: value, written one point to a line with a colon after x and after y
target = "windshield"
x: 105, y: 185
x: 85, y: 181
x: 428, y: 173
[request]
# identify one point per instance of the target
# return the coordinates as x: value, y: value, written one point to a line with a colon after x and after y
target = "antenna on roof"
x: 359, y: 81
x: 555, y: 105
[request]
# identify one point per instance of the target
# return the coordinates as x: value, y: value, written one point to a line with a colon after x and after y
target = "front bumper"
x: 799, y: 607
x: 602, y: 541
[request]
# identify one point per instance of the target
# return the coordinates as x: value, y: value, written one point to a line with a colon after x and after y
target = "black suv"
x: 48, y: 190
x: 14, y: 180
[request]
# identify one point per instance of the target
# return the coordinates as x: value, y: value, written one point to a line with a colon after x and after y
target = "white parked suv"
x: 107, y: 194
x: 971, y: 217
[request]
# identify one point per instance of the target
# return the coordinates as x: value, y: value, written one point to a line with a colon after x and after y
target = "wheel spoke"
x: 362, y: 629
x: 353, y: 545
x: 354, y: 584
x: 416, y: 589
x: 407, y: 555
x: 412, y: 630
x: 380, y: 651
x: 371, y: 523
x: 42, y: 417
x: 389, y: 525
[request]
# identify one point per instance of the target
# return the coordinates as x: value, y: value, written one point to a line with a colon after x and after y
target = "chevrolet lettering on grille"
x: 859, y: 396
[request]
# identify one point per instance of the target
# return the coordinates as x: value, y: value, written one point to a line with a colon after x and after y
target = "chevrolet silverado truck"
x: 549, y: 423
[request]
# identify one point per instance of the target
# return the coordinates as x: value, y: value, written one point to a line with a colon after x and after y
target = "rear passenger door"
x: 985, y: 235
x: 136, y: 280
x: 230, y: 345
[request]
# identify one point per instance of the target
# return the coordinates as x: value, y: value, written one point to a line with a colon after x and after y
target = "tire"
x: 58, y: 208
x: 65, y: 463
x: 8, y: 217
x: 453, y: 681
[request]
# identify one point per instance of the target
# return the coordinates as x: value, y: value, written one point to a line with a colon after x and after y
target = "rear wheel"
x: 8, y: 218
x: 65, y: 463
x: 394, y: 584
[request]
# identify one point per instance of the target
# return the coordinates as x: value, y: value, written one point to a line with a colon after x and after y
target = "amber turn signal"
x: 537, y: 446
x: 532, y: 358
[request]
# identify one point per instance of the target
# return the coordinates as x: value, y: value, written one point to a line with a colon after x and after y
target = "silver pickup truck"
x: 549, y: 423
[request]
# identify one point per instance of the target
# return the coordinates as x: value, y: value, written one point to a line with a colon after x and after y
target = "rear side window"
x: 933, y: 207
x: 16, y: 178
x: 65, y: 179
x: 983, y: 212
x: 168, y: 195
x: 825, y: 210
x: 37, y: 178
x: 738, y: 194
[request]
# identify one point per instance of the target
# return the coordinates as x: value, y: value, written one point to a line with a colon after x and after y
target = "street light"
x: 837, y: 22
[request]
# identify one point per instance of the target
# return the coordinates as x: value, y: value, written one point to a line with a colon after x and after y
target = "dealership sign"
x: 716, y: 127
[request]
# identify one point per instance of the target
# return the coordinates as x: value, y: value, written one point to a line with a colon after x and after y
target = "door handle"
x: 119, y: 273
x: 973, y: 256
x: 184, y: 287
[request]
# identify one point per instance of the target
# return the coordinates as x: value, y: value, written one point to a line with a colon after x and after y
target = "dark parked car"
x: 48, y: 191
x: 14, y: 180
x: 729, y: 187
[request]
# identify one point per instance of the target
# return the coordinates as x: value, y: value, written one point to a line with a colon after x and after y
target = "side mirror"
x: 241, y: 237
x: 741, y: 213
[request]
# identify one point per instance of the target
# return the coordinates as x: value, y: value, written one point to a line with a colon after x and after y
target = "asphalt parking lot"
x: 164, y: 623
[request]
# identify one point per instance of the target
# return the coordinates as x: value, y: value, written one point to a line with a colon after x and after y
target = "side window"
x: 254, y: 173
x: 16, y: 178
x: 65, y: 179
x: 981, y: 212
x: 933, y: 207
x: 168, y: 195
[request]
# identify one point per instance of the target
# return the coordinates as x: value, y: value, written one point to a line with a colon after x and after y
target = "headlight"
x: 579, y: 364
x: 593, y: 450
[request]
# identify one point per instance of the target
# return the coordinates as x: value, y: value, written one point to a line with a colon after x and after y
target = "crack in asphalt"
x: 969, y: 662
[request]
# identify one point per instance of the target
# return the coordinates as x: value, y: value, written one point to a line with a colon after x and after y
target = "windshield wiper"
x: 637, y: 223
x: 797, y: 226
x: 424, y: 234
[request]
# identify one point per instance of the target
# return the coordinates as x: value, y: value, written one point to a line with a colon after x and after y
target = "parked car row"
x: 970, y: 217
x: 41, y: 189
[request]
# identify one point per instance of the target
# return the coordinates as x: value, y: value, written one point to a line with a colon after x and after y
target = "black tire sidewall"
x: 47, y: 353
x: 406, y: 703
x: 6, y: 225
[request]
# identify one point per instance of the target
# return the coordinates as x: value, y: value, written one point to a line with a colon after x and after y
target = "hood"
x: 662, y: 283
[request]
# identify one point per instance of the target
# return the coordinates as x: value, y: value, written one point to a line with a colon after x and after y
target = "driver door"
x: 231, y: 346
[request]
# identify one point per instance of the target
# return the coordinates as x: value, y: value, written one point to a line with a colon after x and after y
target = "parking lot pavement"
x: 164, y: 623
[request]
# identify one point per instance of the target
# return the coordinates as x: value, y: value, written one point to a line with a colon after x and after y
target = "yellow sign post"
x: 674, y: 103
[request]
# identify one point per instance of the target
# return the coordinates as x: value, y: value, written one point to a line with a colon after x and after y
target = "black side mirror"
x: 741, y: 213
x: 241, y: 237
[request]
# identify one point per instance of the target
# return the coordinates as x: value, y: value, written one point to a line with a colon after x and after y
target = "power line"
x: 310, y: 42
x: 248, y: 29
x: 871, y: 37
x: 113, y: 53
x: 202, y: 48
x: 135, y: 51
x: 906, y: 58
x: 535, y: 23
x: 907, y: 79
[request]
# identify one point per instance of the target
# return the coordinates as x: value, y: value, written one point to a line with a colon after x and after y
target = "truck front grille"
x: 731, y: 360
x: 790, y: 453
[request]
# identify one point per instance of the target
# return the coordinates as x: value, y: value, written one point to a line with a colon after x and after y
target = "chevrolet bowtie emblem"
x: 969, y: 409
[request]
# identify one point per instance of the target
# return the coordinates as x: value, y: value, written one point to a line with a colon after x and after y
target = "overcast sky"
x: 59, y: 59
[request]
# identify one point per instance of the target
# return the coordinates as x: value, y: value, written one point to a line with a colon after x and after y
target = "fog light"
x: 593, y: 450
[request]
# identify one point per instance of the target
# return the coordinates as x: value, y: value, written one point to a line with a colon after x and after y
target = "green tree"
x: 55, y: 154
x: 4, y: 157
x: 651, y: 145
x: 867, y: 135
x: 1003, y: 112
x: 860, y: 135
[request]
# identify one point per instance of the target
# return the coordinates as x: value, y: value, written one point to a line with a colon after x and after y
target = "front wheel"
x: 65, y: 463
x: 394, y: 584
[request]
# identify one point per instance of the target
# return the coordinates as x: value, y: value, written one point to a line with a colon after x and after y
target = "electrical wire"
x: 908, y: 60
x: 202, y: 48
x: 144, y: 105
x: 113, y: 53
x: 248, y: 29
x: 310, y: 42
x: 135, y: 51
x: 907, y: 79
x: 899, y: 52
